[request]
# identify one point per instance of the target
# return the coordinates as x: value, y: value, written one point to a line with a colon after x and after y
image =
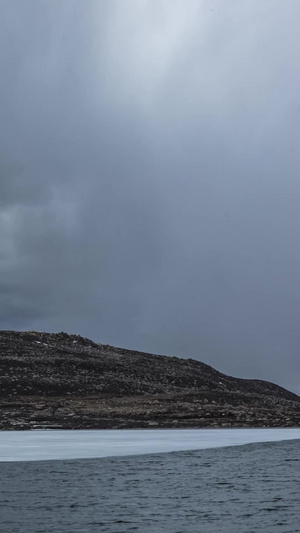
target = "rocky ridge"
x: 56, y: 380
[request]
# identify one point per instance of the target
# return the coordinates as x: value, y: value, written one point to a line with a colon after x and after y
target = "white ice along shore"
x: 82, y: 444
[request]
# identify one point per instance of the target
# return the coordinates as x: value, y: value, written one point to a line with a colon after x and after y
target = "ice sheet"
x: 76, y: 444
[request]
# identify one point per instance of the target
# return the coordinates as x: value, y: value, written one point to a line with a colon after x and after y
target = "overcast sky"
x: 150, y: 184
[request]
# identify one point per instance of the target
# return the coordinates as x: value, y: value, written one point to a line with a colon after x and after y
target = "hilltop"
x: 56, y: 380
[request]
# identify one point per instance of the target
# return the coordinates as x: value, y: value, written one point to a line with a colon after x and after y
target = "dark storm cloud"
x: 149, y: 177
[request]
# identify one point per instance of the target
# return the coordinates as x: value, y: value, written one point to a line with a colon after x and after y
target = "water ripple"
x: 231, y: 490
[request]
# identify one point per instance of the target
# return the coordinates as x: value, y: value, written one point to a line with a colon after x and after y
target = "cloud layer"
x: 149, y: 192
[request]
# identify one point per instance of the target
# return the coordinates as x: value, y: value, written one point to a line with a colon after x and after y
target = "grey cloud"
x: 149, y: 177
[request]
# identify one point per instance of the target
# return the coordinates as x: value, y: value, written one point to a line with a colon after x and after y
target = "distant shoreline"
x: 61, y: 381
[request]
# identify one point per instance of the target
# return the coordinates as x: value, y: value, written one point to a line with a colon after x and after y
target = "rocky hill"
x: 56, y: 380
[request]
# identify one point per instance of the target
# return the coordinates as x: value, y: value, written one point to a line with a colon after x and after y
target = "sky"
x: 149, y: 177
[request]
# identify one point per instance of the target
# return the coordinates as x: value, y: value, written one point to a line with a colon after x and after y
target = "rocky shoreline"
x: 61, y: 381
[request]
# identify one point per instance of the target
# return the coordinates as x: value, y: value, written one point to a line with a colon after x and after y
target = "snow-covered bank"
x: 61, y: 444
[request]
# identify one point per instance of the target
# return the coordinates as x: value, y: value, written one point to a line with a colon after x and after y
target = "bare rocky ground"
x: 56, y: 380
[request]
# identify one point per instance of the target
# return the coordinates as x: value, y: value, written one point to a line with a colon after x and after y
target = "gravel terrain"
x: 56, y: 380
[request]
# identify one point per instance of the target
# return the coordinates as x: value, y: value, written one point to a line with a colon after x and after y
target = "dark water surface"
x: 242, y: 489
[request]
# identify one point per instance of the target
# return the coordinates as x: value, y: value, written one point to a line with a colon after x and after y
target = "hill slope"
x: 59, y: 380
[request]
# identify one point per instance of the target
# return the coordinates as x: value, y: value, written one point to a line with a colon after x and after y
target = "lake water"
x: 236, y: 489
